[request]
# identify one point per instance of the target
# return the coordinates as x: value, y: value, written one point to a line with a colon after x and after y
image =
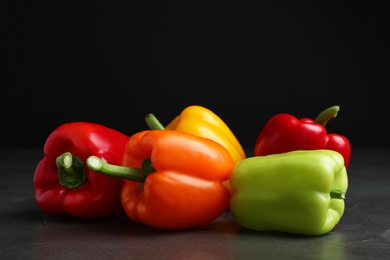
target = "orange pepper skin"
x: 186, y: 188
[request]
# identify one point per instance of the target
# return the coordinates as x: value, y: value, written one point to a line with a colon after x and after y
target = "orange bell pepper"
x: 203, y: 122
x: 180, y: 187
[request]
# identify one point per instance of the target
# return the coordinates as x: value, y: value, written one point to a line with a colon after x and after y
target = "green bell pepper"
x: 298, y: 192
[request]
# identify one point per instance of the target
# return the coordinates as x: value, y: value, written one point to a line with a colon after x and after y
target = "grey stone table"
x: 27, y: 233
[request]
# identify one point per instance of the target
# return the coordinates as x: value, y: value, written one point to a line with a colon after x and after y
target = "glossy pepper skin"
x: 284, y: 133
x: 183, y: 188
x: 90, y: 195
x: 201, y: 121
x: 298, y: 192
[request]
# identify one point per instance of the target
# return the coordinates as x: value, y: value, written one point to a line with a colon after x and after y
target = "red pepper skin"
x: 99, y: 195
x: 284, y: 133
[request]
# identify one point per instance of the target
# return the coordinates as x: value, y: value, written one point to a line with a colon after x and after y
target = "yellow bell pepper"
x: 200, y: 121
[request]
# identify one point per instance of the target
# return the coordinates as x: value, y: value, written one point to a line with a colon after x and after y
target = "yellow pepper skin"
x: 200, y: 121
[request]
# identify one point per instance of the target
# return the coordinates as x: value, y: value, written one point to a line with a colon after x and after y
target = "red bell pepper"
x: 63, y: 186
x: 284, y: 133
x: 173, y: 180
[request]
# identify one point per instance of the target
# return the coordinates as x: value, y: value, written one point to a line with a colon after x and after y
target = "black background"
x: 112, y: 62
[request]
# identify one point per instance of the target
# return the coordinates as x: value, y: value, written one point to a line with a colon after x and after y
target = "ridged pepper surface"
x: 284, y: 133
x: 64, y: 186
x: 173, y: 180
x: 298, y: 192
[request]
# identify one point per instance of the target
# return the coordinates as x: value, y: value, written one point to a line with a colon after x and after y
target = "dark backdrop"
x: 112, y: 62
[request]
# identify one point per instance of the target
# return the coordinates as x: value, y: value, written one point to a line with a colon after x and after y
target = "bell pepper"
x: 300, y: 192
x: 173, y: 180
x: 284, y: 133
x: 203, y: 122
x: 64, y: 186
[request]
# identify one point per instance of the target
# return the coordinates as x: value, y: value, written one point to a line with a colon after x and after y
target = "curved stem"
x: 71, y: 171
x: 337, y: 194
x: 153, y: 122
x: 326, y: 115
x: 124, y: 172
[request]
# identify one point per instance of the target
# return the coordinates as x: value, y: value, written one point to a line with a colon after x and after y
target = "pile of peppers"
x: 189, y: 172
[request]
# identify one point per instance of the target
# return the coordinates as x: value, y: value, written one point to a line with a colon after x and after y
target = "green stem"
x: 337, y: 194
x: 124, y: 172
x: 71, y: 171
x: 153, y: 122
x: 324, y: 117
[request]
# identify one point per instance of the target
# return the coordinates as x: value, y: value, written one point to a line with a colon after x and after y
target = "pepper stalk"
x: 71, y: 171
x: 329, y: 113
x: 124, y: 172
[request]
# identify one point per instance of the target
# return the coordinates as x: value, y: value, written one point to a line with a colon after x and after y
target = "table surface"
x: 27, y: 233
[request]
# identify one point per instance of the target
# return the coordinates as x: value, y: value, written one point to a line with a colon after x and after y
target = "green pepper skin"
x: 289, y: 192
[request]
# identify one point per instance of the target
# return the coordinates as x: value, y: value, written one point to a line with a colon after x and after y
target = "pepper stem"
x: 71, y: 171
x: 329, y: 113
x: 337, y: 194
x: 124, y: 172
x: 153, y: 122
